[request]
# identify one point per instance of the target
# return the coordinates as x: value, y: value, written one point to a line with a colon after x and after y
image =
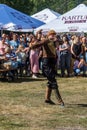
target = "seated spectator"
x: 10, y: 59
x: 80, y: 66
x: 9, y: 64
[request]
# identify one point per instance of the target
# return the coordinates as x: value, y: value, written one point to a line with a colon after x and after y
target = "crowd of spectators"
x: 71, y: 53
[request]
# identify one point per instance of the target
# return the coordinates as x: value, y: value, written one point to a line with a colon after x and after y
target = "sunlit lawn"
x: 22, y: 105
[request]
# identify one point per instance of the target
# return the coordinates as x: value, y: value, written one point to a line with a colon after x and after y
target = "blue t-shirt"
x: 14, y: 44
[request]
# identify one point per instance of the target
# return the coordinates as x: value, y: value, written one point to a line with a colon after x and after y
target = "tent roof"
x: 46, y: 15
x: 74, y: 20
x: 17, y: 18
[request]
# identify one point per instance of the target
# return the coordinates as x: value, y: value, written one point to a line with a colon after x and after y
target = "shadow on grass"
x: 22, y: 79
x: 76, y: 105
x: 82, y: 105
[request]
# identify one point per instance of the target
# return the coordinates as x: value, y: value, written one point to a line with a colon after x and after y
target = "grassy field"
x: 22, y: 105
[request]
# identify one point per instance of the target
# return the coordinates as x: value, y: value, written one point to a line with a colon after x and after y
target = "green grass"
x: 22, y: 105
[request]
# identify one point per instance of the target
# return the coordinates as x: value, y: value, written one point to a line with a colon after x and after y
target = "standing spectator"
x: 65, y: 56
x: 3, y: 45
x: 34, y: 58
x: 76, y: 50
x: 14, y: 43
x: 84, y: 44
x: 8, y: 39
x: 57, y: 43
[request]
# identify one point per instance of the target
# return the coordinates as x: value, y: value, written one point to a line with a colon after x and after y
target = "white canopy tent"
x: 46, y: 15
x: 72, y: 21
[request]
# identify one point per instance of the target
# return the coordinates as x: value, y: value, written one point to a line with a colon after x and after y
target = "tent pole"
x: 1, y: 32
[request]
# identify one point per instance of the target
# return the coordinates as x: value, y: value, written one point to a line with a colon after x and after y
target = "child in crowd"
x: 21, y: 58
x: 21, y: 54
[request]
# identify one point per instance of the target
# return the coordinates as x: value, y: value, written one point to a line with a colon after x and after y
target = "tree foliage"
x: 32, y: 6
